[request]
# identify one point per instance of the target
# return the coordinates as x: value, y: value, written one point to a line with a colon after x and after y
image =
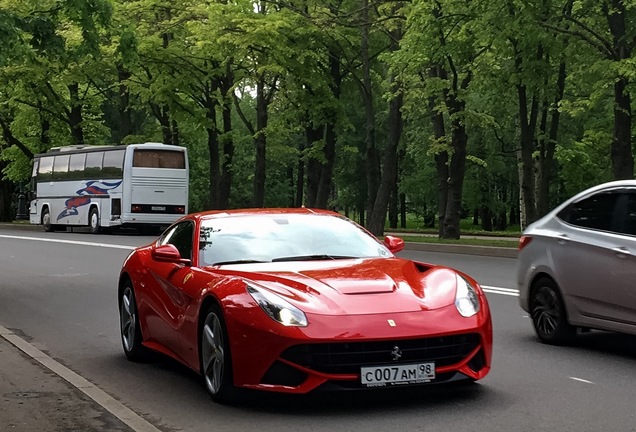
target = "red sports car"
x: 295, y: 300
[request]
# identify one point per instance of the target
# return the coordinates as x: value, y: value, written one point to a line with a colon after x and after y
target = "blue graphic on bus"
x: 93, y: 187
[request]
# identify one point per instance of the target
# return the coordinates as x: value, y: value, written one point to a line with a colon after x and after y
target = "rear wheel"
x: 548, y: 313
x: 93, y: 221
x: 214, y: 352
x: 129, y: 325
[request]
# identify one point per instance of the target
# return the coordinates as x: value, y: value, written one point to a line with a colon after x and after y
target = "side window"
x: 76, y: 166
x: 180, y: 236
x: 60, y: 167
x: 45, y: 170
x: 627, y: 214
x: 594, y: 212
x: 94, y: 164
x: 113, y: 166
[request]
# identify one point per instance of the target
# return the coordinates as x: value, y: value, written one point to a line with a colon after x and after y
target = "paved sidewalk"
x: 34, y: 399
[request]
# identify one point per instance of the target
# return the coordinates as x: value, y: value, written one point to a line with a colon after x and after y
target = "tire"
x: 129, y: 327
x: 93, y: 221
x: 46, y: 221
x: 215, y: 357
x: 548, y: 314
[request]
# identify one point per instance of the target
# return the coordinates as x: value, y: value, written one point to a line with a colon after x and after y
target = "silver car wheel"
x: 213, y: 353
x: 128, y: 319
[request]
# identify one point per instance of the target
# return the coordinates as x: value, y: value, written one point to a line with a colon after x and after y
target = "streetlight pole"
x: 22, y: 205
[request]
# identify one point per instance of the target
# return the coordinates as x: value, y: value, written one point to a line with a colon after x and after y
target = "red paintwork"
x: 349, y: 300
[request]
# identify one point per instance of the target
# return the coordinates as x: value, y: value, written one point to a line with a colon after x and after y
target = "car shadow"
x: 620, y: 344
x: 598, y: 342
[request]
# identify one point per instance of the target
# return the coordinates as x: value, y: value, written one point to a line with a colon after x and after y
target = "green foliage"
x: 168, y: 68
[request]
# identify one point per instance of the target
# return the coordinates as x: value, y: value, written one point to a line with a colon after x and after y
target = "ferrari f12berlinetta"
x: 297, y: 300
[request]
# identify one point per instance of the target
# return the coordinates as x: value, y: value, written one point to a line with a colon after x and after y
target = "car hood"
x: 354, y: 286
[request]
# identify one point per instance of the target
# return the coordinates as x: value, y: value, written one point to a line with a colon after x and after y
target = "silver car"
x: 577, y: 264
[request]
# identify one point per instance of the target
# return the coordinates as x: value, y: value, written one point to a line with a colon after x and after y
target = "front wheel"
x: 46, y: 221
x: 214, y: 352
x: 93, y: 221
x: 548, y: 314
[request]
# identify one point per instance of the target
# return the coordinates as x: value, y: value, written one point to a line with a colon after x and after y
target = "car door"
x: 166, y: 279
x: 624, y: 270
x: 584, y: 256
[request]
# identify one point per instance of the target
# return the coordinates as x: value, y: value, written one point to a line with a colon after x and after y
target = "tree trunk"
x: 456, y: 173
x: 326, y: 174
x: 6, y: 196
x: 228, y: 142
x: 260, y: 144
x: 300, y: 177
x: 313, y: 135
x: 371, y: 155
x: 622, y: 157
x: 213, y: 162
x: 528, y: 126
x: 547, y: 147
x: 75, y: 115
x: 389, y: 172
x: 125, y: 124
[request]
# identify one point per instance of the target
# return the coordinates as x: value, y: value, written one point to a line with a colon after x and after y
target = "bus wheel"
x: 93, y: 221
x: 46, y: 220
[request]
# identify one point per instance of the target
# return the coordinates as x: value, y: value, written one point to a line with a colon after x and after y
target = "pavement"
x: 37, y: 393
x: 33, y: 398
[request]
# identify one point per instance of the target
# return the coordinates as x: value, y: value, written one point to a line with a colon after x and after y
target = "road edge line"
x: 106, y: 401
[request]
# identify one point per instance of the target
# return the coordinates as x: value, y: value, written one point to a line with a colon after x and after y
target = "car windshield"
x: 283, y: 237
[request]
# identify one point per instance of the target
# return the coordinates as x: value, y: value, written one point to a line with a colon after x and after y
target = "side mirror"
x: 395, y: 244
x: 169, y: 253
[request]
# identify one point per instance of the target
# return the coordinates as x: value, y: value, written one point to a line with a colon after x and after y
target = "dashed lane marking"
x: 502, y: 291
x: 582, y: 380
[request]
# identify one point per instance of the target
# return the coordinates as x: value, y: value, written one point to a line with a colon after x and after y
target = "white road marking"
x: 73, y: 242
x: 502, y: 291
x: 582, y: 380
x: 123, y: 413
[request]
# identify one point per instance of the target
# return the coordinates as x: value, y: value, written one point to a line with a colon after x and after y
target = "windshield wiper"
x: 242, y: 261
x: 312, y: 257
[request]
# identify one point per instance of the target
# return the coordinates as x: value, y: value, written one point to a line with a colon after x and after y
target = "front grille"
x: 348, y: 357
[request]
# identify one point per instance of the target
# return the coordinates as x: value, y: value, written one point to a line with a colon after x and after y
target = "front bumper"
x: 330, y: 351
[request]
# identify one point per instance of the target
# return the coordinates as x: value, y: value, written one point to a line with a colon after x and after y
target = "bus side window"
x: 60, y: 167
x: 94, y: 164
x: 76, y: 166
x: 45, y: 169
x: 113, y: 164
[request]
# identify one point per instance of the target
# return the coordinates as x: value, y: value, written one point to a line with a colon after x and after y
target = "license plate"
x: 158, y: 208
x: 394, y: 375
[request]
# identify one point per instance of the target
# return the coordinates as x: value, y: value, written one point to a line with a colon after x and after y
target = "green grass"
x: 512, y: 243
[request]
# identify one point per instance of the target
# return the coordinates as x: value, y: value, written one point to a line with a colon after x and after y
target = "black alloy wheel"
x: 548, y: 314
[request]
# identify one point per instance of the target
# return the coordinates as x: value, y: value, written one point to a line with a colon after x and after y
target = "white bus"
x: 138, y: 185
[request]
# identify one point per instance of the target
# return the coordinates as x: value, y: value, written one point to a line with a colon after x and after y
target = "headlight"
x: 466, y: 299
x: 278, y: 309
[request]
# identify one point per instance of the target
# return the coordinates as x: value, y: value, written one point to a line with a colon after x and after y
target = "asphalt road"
x: 59, y: 297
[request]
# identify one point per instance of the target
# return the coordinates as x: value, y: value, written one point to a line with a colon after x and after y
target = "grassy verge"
x: 512, y: 243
